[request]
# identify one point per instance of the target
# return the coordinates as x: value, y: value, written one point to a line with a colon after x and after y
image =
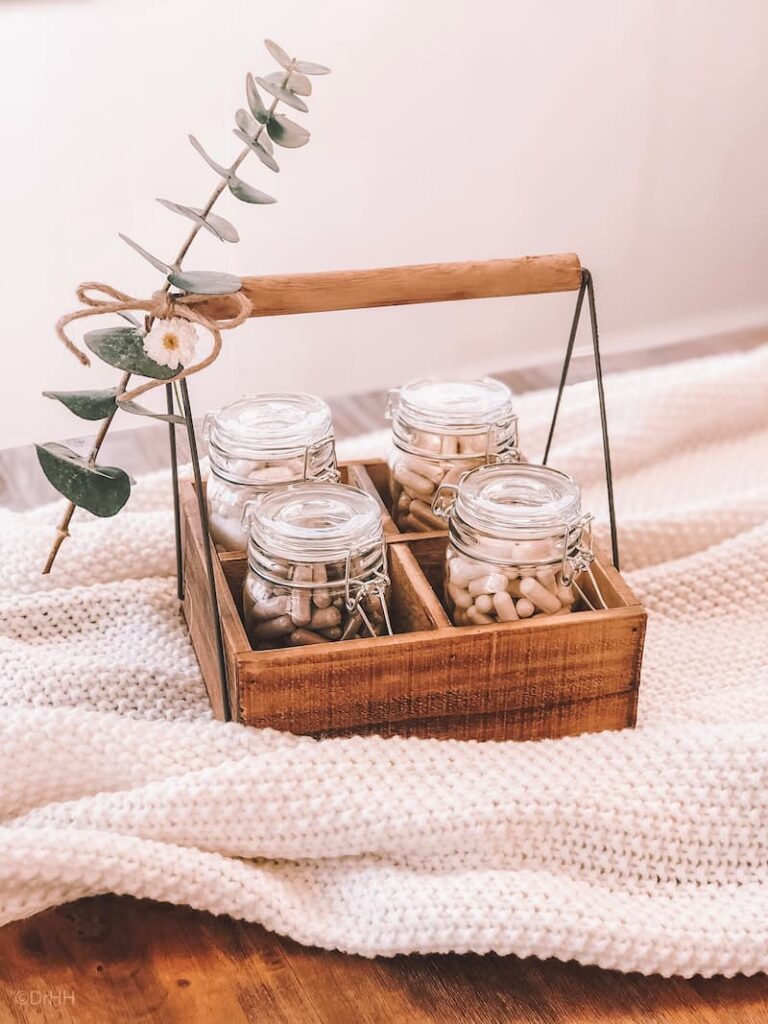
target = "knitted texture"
x: 642, y: 850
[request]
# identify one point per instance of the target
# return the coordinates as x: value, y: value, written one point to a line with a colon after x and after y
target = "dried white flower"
x: 172, y: 342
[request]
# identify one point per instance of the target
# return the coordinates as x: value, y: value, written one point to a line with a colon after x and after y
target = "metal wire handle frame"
x: 586, y: 288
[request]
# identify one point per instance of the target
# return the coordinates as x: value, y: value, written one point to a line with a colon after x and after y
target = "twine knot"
x: 98, y: 299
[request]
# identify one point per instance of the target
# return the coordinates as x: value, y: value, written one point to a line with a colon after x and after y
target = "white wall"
x: 633, y: 132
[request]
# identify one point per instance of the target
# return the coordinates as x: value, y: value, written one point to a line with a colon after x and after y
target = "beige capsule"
x: 325, y: 618
x: 565, y: 595
x: 524, y: 608
x: 301, y: 599
x: 460, y: 597
x: 414, y: 483
x: 463, y: 570
x: 485, y: 603
x: 422, y: 468
x: 334, y: 633
x: 321, y: 596
x: 504, y: 607
x: 304, y: 637
x: 280, y: 626
x: 539, y: 595
x: 270, y: 608
x: 476, y: 617
x: 490, y: 584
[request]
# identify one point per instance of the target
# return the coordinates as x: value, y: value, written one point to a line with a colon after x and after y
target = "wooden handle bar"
x: 399, y: 286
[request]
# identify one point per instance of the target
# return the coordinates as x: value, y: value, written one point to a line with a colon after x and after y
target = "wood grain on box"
x: 535, y: 678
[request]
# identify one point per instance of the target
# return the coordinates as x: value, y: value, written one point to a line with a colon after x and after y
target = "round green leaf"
x: 297, y: 83
x: 123, y: 347
x: 241, y: 190
x: 308, y: 67
x: 205, y: 282
x: 88, y: 405
x: 156, y: 263
x: 278, y: 53
x: 223, y: 171
x: 255, y: 102
x: 102, y: 490
x: 284, y: 95
x: 287, y: 133
x: 218, y: 226
x: 261, y: 152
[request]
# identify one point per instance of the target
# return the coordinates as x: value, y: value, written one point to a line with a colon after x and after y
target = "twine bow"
x: 161, y: 306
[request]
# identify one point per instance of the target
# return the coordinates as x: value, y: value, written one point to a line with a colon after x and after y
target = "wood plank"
x: 283, y: 294
x: 122, y: 960
x: 408, y: 683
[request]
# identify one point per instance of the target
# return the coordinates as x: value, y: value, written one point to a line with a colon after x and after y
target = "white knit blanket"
x: 642, y: 850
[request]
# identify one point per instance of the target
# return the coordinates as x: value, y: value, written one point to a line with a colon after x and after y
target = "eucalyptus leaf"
x: 205, y: 282
x: 141, y: 410
x: 123, y: 347
x: 218, y: 226
x: 246, y: 123
x: 223, y: 171
x: 297, y: 83
x: 248, y: 194
x: 156, y: 263
x: 88, y: 405
x: 255, y: 102
x: 287, y: 133
x: 308, y: 67
x: 261, y: 151
x: 278, y: 53
x: 102, y: 490
x: 284, y: 95
x: 130, y: 318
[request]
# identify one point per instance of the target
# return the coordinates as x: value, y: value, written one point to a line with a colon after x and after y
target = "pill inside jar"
x: 259, y: 442
x: 517, y: 543
x: 440, y: 430
x: 317, y: 568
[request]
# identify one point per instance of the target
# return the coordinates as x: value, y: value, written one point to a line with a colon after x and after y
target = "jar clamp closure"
x: 440, y: 430
x: 258, y: 442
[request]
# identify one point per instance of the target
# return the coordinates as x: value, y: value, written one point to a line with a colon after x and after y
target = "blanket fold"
x: 643, y: 850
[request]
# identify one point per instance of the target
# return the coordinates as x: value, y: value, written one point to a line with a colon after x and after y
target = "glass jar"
x: 517, y: 541
x: 440, y: 430
x: 317, y: 567
x: 256, y: 443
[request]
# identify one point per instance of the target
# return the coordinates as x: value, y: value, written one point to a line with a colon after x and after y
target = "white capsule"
x: 524, y: 608
x: 423, y: 468
x: 301, y: 603
x: 476, y: 617
x: 490, y: 584
x: 415, y: 484
x: 539, y: 595
x: 546, y: 578
x: 504, y: 606
x: 484, y: 603
x: 460, y: 597
x: 565, y: 595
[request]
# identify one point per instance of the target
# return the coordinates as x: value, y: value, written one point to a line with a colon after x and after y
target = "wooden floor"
x: 110, y: 960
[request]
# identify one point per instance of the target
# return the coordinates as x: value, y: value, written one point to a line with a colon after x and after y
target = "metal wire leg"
x: 175, y: 479
x: 603, y: 418
x: 588, y: 288
x: 566, y: 365
x: 203, y: 512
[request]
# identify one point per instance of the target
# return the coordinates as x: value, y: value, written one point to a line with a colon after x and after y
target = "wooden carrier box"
x: 530, y: 679
x: 535, y: 678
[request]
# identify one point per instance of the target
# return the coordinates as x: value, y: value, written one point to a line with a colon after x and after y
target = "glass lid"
x: 460, y: 404
x: 313, y: 521
x: 514, y: 498
x: 259, y: 425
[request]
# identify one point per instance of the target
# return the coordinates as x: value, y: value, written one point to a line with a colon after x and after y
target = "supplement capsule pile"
x: 309, y: 609
x: 480, y: 592
x: 227, y: 501
x: 416, y: 478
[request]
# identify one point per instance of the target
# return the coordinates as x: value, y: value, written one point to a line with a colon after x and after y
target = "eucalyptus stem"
x: 62, y: 531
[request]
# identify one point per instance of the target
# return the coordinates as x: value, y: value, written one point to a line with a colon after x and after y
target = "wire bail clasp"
x: 314, y: 451
x: 374, y: 588
x: 509, y: 450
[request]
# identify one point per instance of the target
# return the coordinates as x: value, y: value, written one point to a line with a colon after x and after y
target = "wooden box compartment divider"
x: 531, y: 679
